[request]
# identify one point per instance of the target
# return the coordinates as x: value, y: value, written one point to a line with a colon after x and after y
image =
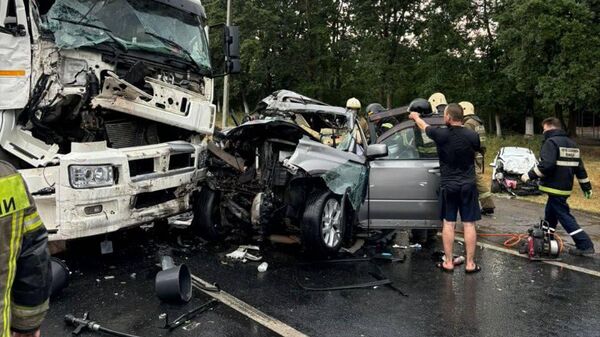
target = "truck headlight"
x: 89, y: 176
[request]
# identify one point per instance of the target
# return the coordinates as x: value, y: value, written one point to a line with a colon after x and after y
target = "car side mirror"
x: 377, y: 151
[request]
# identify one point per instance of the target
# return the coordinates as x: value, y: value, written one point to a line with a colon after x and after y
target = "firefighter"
x: 25, y: 277
x: 560, y: 160
x: 438, y: 103
x: 473, y: 122
x: 353, y: 104
x: 378, y: 127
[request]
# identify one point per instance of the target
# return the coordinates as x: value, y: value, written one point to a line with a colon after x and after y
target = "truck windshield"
x: 131, y: 24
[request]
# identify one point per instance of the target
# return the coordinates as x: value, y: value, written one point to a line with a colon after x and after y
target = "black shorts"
x: 463, y: 199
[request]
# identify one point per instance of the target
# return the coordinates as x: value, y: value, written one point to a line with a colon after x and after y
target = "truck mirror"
x: 232, y: 49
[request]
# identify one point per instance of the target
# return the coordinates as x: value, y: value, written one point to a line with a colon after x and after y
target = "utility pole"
x: 226, y: 78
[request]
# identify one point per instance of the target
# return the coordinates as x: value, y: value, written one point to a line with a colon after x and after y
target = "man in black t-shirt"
x: 458, y: 194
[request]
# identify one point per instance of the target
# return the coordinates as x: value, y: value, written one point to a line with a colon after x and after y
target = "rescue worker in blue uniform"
x: 560, y: 160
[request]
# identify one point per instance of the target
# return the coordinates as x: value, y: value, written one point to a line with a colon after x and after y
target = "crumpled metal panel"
x: 517, y: 160
x: 348, y: 176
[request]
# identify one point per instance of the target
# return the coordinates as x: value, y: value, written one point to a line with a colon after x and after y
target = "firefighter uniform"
x: 473, y: 122
x: 25, y: 276
x: 560, y: 160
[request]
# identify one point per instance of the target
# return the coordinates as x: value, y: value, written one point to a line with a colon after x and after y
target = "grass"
x: 591, y: 158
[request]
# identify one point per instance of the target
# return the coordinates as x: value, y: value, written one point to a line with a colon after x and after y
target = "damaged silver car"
x: 298, y: 167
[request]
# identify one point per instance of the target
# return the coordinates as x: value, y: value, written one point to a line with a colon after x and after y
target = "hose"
x: 516, y: 238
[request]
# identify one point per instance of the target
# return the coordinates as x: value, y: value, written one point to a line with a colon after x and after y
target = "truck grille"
x: 131, y: 133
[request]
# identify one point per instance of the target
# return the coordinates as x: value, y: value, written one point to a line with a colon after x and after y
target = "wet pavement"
x: 509, y: 297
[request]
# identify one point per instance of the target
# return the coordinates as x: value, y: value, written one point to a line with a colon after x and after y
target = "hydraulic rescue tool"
x: 84, y: 323
x: 541, y: 244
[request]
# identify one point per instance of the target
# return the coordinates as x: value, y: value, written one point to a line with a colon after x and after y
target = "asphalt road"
x: 510, y: 297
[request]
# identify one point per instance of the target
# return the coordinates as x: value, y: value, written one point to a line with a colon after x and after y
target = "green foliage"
x: 507, y: 57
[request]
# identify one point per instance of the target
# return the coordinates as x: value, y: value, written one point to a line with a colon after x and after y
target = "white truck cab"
x: 105, y: 107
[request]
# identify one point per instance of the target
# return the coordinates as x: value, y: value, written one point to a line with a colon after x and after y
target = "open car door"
x: 15, y: 55
x: 404, y: 186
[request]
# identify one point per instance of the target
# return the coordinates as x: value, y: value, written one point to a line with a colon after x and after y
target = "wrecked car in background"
x: 104, y: 108
x: 297, y: 167
x: 508, y: 166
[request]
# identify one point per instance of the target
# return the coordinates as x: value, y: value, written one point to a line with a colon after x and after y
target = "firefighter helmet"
x: 468, y: 108
x: 438, y: 102
x: 420, y: 105
x: 374, y: 108
x: 353, y: 103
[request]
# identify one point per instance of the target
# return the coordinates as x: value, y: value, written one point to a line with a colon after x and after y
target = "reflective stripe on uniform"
x: 584, y: 181
x: 567, y: 163
x: 554, y: 191
x: 576, y: 232
x: 14, y: 247
x: 537, y: 171
x: 32, y: 222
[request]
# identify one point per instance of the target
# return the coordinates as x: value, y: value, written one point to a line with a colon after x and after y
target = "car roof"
x: 289, y: 101
x: 402, y: 113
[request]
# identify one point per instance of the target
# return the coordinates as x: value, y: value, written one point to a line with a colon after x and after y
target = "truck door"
x: 15, y: 55
x: 404, y: 186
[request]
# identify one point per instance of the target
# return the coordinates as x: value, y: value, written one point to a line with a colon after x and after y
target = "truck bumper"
x: 152, y: 182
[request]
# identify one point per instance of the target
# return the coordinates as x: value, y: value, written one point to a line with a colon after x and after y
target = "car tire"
x: 495, y: 187
x: 323, y: 224
x: 207, y: 218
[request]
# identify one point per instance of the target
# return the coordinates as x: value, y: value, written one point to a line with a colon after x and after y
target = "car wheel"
x: 495, y: 186
x: 207, y: 216
x: 323, y: 224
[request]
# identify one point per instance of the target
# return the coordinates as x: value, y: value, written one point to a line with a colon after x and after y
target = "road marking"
x: 554, y: 263
x: 251, y: 312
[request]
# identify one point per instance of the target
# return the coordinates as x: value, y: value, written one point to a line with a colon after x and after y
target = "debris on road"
x: 242, y: 254
x: 177, y: 322
x: 84, y: 323
x: 263, y: 267
x: 173, y: 283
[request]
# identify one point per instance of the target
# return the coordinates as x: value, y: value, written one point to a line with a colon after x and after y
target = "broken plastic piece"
x: 263, y: 267
x: 241, y: 253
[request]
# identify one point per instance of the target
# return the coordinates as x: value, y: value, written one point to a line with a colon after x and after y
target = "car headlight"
x: 90, y: 176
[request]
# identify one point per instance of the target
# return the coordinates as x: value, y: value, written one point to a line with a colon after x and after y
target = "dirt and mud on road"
x: 511, y: 296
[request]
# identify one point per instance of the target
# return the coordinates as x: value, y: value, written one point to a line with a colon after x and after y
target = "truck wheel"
x: 207, y: 216
x: 495, y: 186
x: 323, y: 224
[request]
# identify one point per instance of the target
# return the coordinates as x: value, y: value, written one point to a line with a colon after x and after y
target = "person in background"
x: 456, y: 147
x: 25, y: 277
x: 473, y: 122
x: 438, y: 103
x: 560, y: 161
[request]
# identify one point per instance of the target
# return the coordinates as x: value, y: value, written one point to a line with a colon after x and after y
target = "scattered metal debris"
x: 177, y: 322
x: 242, y: 254
x: 85, y: 323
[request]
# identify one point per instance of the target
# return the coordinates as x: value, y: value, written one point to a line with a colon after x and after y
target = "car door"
x: 404, y: 186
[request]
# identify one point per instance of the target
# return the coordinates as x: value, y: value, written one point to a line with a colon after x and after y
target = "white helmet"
x: 437, y: 99
x: 353, y: 103
x: 468, y: 108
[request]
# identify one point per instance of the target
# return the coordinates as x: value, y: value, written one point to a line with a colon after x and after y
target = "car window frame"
x: 435, y: 121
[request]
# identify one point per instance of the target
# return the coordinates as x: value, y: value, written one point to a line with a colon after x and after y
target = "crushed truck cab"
x: 105, y: 108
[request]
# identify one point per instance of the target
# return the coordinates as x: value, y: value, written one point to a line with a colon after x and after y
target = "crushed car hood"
x: 517, y: 160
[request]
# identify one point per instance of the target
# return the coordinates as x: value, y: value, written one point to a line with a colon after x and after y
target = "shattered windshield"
x: 130, y: 24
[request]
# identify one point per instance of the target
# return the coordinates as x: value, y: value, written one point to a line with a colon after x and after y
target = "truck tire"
x: 207, y: 217
x: 495, y: 187
x: 323, y: 224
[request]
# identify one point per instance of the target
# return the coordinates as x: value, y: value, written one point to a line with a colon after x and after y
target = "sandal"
x: 444, y: 269
x: 473, y: 271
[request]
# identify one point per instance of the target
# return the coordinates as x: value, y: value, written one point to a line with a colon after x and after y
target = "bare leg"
x: 448, y: 241
x: 470, y: 244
